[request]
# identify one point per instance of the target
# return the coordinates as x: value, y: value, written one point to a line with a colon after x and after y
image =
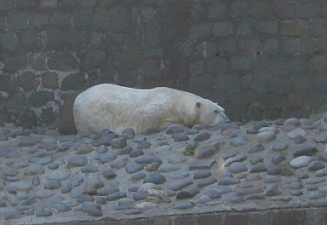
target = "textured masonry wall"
x: 257, y: 58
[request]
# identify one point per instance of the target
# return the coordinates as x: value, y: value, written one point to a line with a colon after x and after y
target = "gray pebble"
x: 53, y: 166
x: 58, y: 175
x: 107, y: 158
x: 109, y: 174
x: 296, y: 133
x: 136, y: 153
x: 44, y: 194
x: 144, y: 145
x: 89, y: 169
x: 239, y: 141
x: 61, y: 207
x: 305, y: 151
x: 179, y: 174
x: 178, y: 137
x: 125, y: 151
x: 201, y: 164
x: 116, y: 196
x: 316, y: 165
x: 119, y: 163
x: 176, y: 158
x: 255, y: 159
x: 237, y: 158
x: 279, y: 146
x: 53, y: 185
x: 256, y: 148
x: 272, y: 190
x: 92, y: 209
x: 133, y: 167
x: 174, y: 130
x: 258, y: 168
x: 168, y: 168
x: 42, y: 213
x: 321, y: 138
x: 34, y: 169
x: 183, y: 205
x: 102, y: 149
x: 118, y: 143
x: 278, y: 158
x: 237, y: 167
x: 190, y: 192
x: 155, y: 178
x: 146, y: 159
x: 77, y: 161
x: 206, y: 182
x: 177, y: 185
x: 202, y: 136
x: 163, y: 149
x: 201, y: 174
x: 228, y: 181
x: 138, y: 176
x: 300, y: 161
x: 206, y: 151
x: 266, y: 136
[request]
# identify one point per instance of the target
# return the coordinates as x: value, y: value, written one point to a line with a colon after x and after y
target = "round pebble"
x: 266, y: 136
x: 300, y: 161
x: 77, y: 161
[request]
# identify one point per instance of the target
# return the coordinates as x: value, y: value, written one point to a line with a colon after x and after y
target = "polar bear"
x: 114, y: 107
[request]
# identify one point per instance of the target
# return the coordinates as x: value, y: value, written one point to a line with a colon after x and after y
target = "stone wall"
x: 257, y: 58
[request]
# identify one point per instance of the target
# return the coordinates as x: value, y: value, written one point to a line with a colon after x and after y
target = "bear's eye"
x: 216, y: 111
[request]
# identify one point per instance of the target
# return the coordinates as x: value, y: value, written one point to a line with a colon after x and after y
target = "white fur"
x: 109, y: 106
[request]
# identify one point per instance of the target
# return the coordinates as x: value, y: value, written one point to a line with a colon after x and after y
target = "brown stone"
x: 50, y: 80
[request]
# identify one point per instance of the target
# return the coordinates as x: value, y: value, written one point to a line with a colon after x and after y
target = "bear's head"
x: 209, y: 113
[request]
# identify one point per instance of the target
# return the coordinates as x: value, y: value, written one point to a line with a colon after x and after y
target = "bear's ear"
x: 198, y: 104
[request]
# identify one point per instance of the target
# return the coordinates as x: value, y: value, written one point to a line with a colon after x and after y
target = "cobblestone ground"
x: 262, y: 165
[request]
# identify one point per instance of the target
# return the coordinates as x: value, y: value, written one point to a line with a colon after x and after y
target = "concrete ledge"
x: 296, y: 216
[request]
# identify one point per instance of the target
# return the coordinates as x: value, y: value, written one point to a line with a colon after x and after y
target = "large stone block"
x: 222, y: 29
x: 240, y: 9
x: 18, y: 21
x: 9, y: 41
x: 6, y: 5
x: 241, y: 63
x: 200, y: 31
x: 83, y: 17
x: 39, y: 19
x: 267, y: 27
x: 30, y: 40
x: 61, y: 18
x: 293, y: 28
x: 218, y: 10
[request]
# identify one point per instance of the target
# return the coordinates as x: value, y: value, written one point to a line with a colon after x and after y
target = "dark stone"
x: 15, y: 63
x: 29, y: 120
x: 62, y: 61
x: 66, y: 118
x: 305, y: 151
x: 50, y: 80
x: 74, y: 82
x: 188, y: 193
x: 9, y: 41
x: 41, y: 98
x: 155, y: 178
x: 47, y: 116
